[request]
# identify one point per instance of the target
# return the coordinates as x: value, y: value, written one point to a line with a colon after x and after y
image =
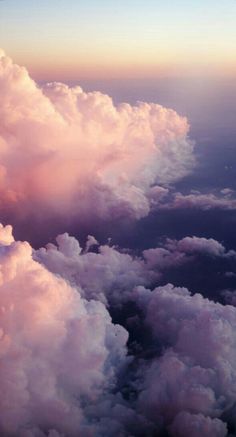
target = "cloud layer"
x: 68, y: 369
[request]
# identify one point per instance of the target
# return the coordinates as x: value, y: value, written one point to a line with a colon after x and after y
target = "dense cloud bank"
x: 62, y: 149
x: 68, y: 370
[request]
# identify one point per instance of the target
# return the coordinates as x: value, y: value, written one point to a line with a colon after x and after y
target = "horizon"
x: 134, y: 39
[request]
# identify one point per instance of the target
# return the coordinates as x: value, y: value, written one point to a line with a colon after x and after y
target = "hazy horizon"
x: 73, y: 40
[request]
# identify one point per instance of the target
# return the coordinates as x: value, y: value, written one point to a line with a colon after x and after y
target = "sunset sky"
x: 70, y: 39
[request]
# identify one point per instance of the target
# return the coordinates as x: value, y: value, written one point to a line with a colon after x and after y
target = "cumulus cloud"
x: 59, y: 353
x: 68, y: 152
x: 195, y: 373
x: 110, y: 274
x: 65, y: 368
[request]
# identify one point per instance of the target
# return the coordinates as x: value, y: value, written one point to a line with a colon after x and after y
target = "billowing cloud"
x: 59, y: 353
x: 196, y: 372
x: 67, y: 152
x: 65, y: 368
x: 110, y: 274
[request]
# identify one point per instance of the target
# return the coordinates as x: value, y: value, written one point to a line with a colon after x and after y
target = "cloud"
x: 197, y: 245
x: 65, y: 152
x: 204, y: 202
x: 110, y: 274
x: 230, y: 274
x: 196, y: 373
x: 227, y: 192
x: 178, y: 252
x: 59, y: 353
x: 229, y: 296
x: 65, y: 368
x: 197, y: 425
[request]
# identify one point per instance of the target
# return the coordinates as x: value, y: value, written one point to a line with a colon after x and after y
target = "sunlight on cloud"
x: 63, y: 149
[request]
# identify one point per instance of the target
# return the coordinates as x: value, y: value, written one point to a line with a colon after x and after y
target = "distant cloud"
x: 196, y: 200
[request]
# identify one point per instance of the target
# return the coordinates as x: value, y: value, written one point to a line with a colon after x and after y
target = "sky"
x: 70, y: 39
x: 117, y: 218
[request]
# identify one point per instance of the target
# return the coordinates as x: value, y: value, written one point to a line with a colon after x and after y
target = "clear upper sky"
x: 69, y: 39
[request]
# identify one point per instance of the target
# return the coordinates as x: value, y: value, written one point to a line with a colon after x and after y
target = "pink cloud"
x: 67, y: 152
x: 109, y: 275
x: 62, y: 355
x: 196, y: 372
x: 59, y: 353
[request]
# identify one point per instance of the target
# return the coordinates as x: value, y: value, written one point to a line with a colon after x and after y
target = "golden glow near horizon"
x: 64, y: 40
